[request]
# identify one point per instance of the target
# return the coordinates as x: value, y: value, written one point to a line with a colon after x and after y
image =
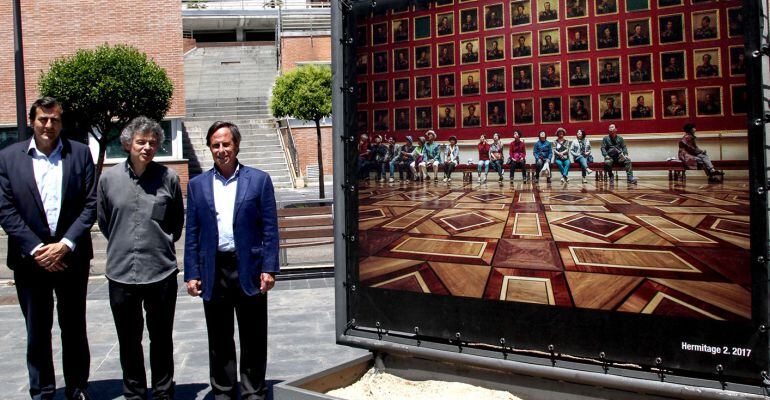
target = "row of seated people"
x: 413, y: 162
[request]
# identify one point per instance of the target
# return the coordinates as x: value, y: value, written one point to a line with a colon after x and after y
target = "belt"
x: 226, y: 255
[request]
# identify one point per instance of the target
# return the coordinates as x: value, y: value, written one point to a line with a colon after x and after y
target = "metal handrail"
x: 292, y: 147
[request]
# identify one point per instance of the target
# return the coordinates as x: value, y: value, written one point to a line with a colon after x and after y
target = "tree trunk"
x: 320, y: 161
x: 100, y: 160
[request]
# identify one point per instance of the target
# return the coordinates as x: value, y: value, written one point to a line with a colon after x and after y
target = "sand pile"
x: 383, y: 386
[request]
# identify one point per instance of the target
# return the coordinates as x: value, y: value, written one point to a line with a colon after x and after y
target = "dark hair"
x: 688, y: 127
x: 223, y: 124
x: 453, y: 138
x: 43, y: 102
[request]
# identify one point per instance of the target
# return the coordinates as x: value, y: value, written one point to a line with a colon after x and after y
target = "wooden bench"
x: 303, y: 227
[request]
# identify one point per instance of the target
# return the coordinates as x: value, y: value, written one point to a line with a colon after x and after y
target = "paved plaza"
x: 301, y: 340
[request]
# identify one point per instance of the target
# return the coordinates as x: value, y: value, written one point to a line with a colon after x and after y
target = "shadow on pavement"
x: 113, y: 389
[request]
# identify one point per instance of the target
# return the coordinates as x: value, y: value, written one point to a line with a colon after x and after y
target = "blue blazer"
x: 255, y: 229
x: 22, y: 214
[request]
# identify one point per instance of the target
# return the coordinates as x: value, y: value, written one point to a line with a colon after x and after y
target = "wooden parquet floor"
x: 664, y: 248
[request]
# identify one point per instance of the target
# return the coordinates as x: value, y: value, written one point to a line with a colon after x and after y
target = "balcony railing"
x: 254, y: 4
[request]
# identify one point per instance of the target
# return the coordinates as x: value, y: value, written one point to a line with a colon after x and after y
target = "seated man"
x: 543, y: 152
x: 615, y: 152
x: 694, y: 157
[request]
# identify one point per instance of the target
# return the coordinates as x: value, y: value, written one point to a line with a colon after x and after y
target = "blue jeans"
x: 563, y: 166
x: 392, y: 166
x: 497, y: 165
x: 583, y: 163
x: 485, y: 164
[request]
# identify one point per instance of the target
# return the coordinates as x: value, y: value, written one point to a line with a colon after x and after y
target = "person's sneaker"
x: 391, y: 180
x: 485, y: 179
x: 610, y: 177
x: 589, y: 171
x: 449, y: 179
x: 435, y: 178
x: 562, y: 180
x: 444, y: 180
x: 501, y: 178
x: 632, y: 180
x: 566, y: 178
x: 585, y: 180
x: 479, y: 178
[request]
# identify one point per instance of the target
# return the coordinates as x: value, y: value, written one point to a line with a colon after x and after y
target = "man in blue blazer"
x: 47, y: 208
x: 231, y: 258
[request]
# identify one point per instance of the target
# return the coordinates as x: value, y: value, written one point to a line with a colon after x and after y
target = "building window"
x: 8, y: 136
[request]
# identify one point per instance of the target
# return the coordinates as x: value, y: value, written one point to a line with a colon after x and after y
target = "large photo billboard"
x: 651, y: 271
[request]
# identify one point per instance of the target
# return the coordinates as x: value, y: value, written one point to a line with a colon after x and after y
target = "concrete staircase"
x: 233, y: 84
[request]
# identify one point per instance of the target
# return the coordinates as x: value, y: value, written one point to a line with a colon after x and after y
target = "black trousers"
x: 228, y: 297
x: 159, y: 301
x: 35, y: 288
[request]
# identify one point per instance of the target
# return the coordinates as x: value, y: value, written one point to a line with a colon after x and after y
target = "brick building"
x: 59, y: 29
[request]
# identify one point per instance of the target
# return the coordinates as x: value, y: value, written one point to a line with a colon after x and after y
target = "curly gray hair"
x: 142, y: 125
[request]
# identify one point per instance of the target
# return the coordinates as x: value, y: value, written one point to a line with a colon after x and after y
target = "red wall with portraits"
x: 692, y: 42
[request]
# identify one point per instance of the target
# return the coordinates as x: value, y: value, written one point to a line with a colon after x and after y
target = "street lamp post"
x: 18, y: 55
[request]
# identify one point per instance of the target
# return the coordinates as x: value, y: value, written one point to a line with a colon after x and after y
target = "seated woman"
x: 561, y: 154
x: 451, y: 158
x: 483, y: 147
x: 364, y: 157
x: 404, y: 159
x: 694, y: 157
x: 418, y: 166
x: 496, y: 155
x: 543, y: 151
x: 517, y: 154
x: 581, y: 153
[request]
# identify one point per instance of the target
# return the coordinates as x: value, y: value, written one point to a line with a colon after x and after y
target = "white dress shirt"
x: 49, y: 173
x: 224, y: 202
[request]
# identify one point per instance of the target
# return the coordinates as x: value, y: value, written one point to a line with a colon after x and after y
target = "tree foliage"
x: 106, y: 87
x: 304, y: 93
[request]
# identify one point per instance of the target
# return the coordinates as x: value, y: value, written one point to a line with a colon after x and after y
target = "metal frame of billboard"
x: 629, y: 351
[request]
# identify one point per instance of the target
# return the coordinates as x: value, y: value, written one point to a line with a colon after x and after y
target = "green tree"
x: 305, y: 93
x: 105, y: 88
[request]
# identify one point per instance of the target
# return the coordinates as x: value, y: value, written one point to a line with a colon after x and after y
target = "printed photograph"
x: 735, y: 22
x: 671, y: 28
x: 380, y: 91
x: 576, y: 9
x: 381, y: 121
x: 607, y: 36
x: 445, y: 24
x: 549, y: 41
x: 401, y: 59
x: 442, y: 3
x: 609, y: 70
x: 401, y: 119
x: 521, y: 44
x: 495, y: 80
x: 494, y: 47
x: 577, y: 38
x: 737, y: 61
x: 669, y: 3
x: 362, y: 92
x: 579, y: 73
x: 496, y: 113
x: 380, y: 62
x: 469, y: 53
x: 422, y: 57
x: 705, y: 25
x: 709, y: 101
x: 638, y: 31
x: 471, y: 117
x: 469, y: 20
x: 422, y: 86
x: 579, y: 108
x: 550, y: 110
x: 400, y: 30
x: 445, y: 54
x: 423, y: 118
x: 675, y: 103
x: 707, y: 63
x: 471, y: 82
x: 522, y: 77
x: 550, y: 75
x: 523, y: 111
x: 401, y: 89
x: 547, y: 10
x: 640, y: 68
x: 642, y: 104
x: 740, y: 99
x: 521, y: 12
x: 362, y: 121
x: 493, y: 16
x: 637, y: 5
x: 447, y: 116
x: 673, y: 66
x: 446, y: 85
x: 422, y: 27
x: 606, y: 7
x: 610, y: 107
x: 362, y: 64
x: 380, y: 33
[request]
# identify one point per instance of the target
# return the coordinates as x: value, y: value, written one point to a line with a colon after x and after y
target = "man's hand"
x: 194, y: 287
x: 50, y: 256
x: 267, y: 281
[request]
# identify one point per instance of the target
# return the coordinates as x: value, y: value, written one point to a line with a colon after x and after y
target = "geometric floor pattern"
x: 659, y: 247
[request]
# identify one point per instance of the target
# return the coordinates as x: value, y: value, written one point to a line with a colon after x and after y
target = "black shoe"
x: 79, y: 394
